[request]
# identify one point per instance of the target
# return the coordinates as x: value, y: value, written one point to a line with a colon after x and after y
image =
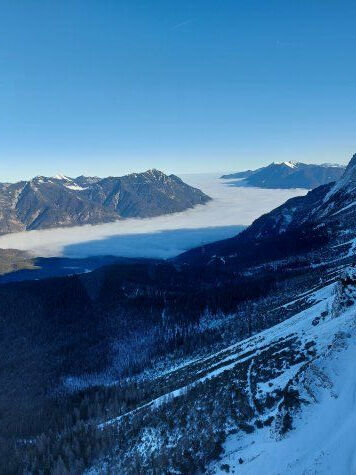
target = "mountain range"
x: 288, y: 175
x: 234, y: 357
x: 326, y: 213
x: 47, y: 202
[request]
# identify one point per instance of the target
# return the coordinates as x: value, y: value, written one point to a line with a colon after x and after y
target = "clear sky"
x: 107, y: 87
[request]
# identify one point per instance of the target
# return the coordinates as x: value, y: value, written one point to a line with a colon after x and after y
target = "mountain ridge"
x: 45, y: 202
x: 301, y: 224
x: 190, y: 365
x: 289, y: 174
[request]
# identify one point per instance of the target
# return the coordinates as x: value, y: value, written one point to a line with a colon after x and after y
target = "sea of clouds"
x: 231, y: 209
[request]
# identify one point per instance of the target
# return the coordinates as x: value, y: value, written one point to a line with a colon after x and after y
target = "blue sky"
x: 106, y: 87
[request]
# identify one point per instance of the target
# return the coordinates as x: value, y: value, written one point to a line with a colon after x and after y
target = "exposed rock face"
x: 326, y: 214
x: 46, y: 202
x: 345, y: 293
x: 289, y: 175
x: 243, y: 354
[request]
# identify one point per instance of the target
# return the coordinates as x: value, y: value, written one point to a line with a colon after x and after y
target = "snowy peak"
x: 61, y: 177
x: 288, y: 174
x: 289, y: 164
x: 56, y: 201
x: 150, y: 175
x: 154, y: 172
x: 352, y: 163
x: 348, y: 180
x: 349, y: 177
x: 322, y: 223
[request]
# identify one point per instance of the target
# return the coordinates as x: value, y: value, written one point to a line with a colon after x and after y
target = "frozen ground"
x: 232, y: 208
x: 266, y: 367
x: 323, y: 439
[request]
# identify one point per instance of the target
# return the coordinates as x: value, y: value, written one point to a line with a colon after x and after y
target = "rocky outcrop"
x: 47, y: 202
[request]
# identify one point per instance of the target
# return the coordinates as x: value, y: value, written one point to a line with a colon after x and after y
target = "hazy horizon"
x: 108, y: 88
x: 197, y: 173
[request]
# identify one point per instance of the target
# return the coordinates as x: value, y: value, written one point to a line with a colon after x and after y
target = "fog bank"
x: 163, y: 236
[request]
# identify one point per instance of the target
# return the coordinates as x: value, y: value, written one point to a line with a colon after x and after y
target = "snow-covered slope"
x: 322, y: 439
x: 288, y: 174
x: 280, y: 402
x: 252, y: 368
x: 323, y: 221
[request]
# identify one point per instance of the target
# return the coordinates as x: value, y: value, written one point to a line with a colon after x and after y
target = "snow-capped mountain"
x: 243, y: 383
x: 323, y: 220
x: 46, y: 202
x: 279, y: 402
x: 237, y: 357
x: 288, y: 175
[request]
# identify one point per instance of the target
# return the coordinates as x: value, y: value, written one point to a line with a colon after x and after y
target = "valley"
x: 190, y: 364
x: 229, y: 211
x: 177, y: 238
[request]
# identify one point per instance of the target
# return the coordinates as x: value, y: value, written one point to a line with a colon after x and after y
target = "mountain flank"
x: 48, y: 202
x: 195, y: 364
x: 325, y: 215
x: 288, y: 175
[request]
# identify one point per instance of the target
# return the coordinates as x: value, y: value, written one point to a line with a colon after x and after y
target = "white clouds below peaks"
x: 163, y: 236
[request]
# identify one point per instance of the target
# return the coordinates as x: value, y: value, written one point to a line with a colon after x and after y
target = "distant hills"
x: 289, y: 175
x: 251, y: 340
x: 326, y: 213
x: 47, y: 202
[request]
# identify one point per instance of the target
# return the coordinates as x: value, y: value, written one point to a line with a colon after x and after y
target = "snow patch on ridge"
x: 322, y: 440
x: 290, y: 164
x: 62, y: 177
x: 75, y: 187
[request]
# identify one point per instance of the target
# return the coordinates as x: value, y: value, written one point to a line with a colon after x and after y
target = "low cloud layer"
x: 164, y: 236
